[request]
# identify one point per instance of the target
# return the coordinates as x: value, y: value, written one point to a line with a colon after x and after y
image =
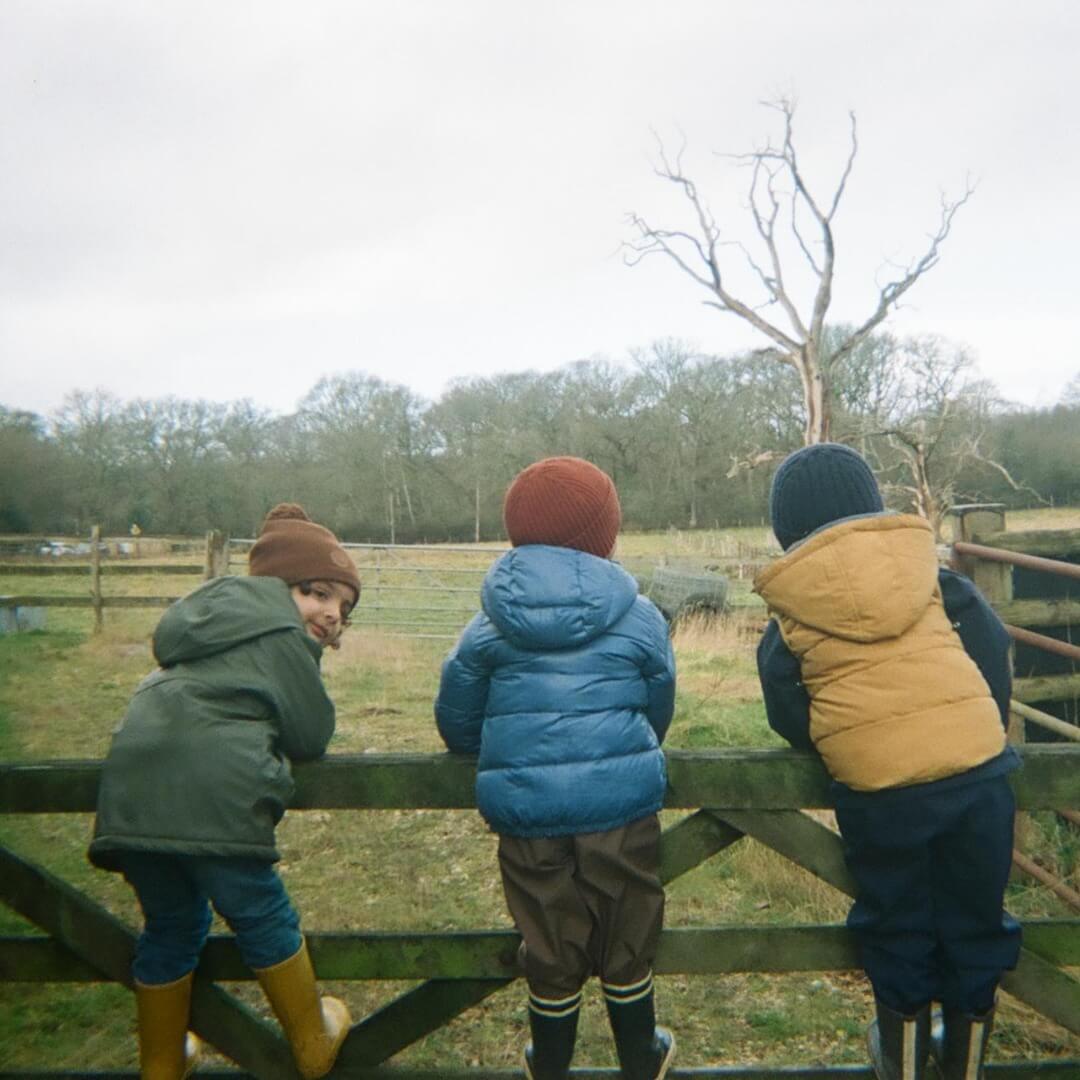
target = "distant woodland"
x: 690, y: 439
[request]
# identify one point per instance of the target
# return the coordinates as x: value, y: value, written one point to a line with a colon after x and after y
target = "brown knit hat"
x: 565, y: 502
x: 292, y: 547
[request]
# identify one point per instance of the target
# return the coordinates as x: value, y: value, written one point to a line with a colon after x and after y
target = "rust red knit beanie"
x: 565, y: 502
x: 292, y: 547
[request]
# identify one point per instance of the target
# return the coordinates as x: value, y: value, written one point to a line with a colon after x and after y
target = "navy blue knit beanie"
x: 817, y: 485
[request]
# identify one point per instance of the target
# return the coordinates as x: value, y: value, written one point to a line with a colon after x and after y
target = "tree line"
x: 690, y: 439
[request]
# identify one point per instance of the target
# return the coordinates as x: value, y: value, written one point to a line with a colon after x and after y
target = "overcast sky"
x: 225, y: 199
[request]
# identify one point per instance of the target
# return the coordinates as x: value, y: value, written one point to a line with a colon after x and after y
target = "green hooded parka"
x: 200, y: 763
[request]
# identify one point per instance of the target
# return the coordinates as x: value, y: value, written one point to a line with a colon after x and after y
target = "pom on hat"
x: 566, y: 502
x: 292, y: 547
x: 818, y: 485
x: 286, y: 512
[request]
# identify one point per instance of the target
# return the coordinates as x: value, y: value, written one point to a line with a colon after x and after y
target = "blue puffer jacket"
x: 565, y: 685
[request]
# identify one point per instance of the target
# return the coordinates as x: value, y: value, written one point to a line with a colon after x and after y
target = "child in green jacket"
x: 198, y: 776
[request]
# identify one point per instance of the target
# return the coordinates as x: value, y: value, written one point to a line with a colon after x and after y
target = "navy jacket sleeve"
x: 463, y: 692
x: 787, y: 704
x: 982, y: 634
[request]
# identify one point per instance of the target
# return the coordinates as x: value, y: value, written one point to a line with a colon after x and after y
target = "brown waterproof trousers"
x: 590, y: 904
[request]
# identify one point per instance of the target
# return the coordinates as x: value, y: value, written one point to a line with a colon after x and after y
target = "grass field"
x: 62, y: 691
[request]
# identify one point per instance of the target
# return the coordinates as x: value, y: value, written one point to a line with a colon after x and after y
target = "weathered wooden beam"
x: 409, y: 1018
x: 73, y: 569
x: 799, y: 838
x: 491, y: 954
x: 1046, y: 988
x: 44, y: 569
x: 688, y: 843
x: 49, y: 786
x: 1050, y: 777
x: 82, y: 569
x: 41, y: 959
x: 1052, y: 543
x: 1040, y: 612
x: 99, y: 938
x: 87, y: 601
x: 773, y: 779
x: 397, y: 781
x: 766, y: 949
x: 464, y: 954
x: 735, y: 779
x: 1047, y: 688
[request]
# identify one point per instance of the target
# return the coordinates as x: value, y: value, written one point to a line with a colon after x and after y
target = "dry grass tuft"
x: 734, y: 632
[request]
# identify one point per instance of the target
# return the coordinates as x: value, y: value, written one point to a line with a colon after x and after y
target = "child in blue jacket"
x: 897, y: 673
x: 564, y: 685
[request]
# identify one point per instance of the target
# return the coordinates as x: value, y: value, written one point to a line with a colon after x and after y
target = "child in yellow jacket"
x: 897, y: 673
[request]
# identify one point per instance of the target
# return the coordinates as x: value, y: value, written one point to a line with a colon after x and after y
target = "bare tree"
x: 1070, y: 396
x: 779, y: 199
x: 927, y: 439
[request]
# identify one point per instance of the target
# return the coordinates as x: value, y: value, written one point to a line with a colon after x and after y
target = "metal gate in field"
x: 420, y: 590
x: 412, y: 590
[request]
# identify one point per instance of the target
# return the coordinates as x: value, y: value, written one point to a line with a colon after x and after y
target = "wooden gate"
x: 732, y: 795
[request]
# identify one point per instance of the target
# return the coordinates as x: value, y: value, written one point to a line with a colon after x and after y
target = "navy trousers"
x: 175, y: 893
x: 931, y: 874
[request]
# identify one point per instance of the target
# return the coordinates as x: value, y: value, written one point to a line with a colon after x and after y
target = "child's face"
x: 324, y: 606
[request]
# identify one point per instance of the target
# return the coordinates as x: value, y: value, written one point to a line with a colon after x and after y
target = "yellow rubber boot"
x: 315, y: 1027
x: 167, y: 1050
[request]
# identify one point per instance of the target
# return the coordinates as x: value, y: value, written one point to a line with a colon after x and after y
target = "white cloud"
x: 222, y: 200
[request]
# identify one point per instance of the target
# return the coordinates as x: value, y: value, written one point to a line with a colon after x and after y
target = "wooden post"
x: 95, y: 579
x: 226, y: 555
x: 377, y: 590
x: 974, y: 523
x: 217, y: 555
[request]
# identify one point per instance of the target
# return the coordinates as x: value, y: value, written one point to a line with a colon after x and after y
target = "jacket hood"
x: 542, y: 597
x: 221, y: 614
x: 863, y: 579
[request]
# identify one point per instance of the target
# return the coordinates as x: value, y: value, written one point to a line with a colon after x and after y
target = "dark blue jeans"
x: 931, y: 874
x: 175, y: 893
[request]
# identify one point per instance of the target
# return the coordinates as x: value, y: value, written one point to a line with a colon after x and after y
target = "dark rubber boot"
x: 645, y: 1050
x: 553, y: 1025
x: 961, y: 1050
x: 899, y: 1045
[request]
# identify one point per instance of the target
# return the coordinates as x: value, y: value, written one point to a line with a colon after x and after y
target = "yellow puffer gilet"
x: 894, y: 698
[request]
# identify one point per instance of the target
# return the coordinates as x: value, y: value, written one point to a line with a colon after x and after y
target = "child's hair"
x: 817, y: 485
x: 292, y: 547
x: 565, y: 502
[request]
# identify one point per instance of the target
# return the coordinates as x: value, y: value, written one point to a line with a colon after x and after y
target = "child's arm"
x: 982, y: 634
x: 659, y: 672
x: 289, y: 666
x: 787, y: 704
x: 463, y: 691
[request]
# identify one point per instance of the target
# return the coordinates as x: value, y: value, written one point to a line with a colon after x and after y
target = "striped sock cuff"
x: 555, y: 1008
x: 624, y: 995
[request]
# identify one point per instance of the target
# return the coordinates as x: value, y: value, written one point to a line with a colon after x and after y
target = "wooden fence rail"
x: 734, y: 794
